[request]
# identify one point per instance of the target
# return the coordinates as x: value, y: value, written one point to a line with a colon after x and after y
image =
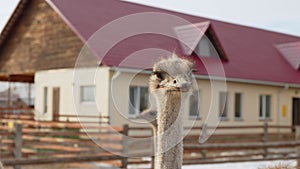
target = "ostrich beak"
x: 182, y: 84
x: 185, y: 87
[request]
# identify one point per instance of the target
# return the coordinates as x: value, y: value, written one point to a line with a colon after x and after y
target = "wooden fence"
x: 24, y: 141
x: 240, y: 145
x: 263, y: 142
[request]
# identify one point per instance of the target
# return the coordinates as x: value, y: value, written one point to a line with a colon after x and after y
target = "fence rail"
x: 93, y: 119
x: 24, y: 141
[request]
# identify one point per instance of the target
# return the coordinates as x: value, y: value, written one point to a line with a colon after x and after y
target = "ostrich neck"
x: 169, y: 132
x: 169, y: 110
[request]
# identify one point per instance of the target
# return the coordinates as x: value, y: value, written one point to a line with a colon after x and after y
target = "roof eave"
x: 14, y: 18
x: 226, y: 79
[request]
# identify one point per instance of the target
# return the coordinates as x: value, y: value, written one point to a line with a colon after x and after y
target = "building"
x: 261, y: 67
x: 24, y: 41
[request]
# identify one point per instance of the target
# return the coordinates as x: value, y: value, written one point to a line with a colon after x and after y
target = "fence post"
x: 18, y: 143
x: 203, y: 136
x: 153, y: 147
x: 1, y: 114
x: 125, y: 146
x: 265, y: 139
x: 297, y: 136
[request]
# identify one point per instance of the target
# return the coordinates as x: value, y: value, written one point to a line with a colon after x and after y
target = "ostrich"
x: 170, y: 80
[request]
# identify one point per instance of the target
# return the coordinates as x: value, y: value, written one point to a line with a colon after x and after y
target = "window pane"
x: 268, y: 106
x: 144, y: 98
x: 139, y: 99
x: 194, y: 104
x: 132, y: 98
x: 238, y: 105
x: 265, y: 106
x: 87, y: 93
x: 223, y: 104
x: 261, y: 106
x: 203, y: 47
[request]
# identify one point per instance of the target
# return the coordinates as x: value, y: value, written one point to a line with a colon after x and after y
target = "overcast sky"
x: 276, y: 15
x: 6, y: 8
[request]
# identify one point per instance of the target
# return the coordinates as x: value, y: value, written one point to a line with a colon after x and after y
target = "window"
x: 45, y: 99
x: 223, y: 105
x: 264, y: 106
x: 194, y: 101
x: 205, y: 48
x: 139, y: 99
x: 87, y: 93
x: 238, y: 106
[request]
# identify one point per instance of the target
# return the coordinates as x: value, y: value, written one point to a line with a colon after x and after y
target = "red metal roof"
x: 251, y: 52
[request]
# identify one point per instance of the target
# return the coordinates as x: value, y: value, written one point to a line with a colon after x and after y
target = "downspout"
x: 111, y: 101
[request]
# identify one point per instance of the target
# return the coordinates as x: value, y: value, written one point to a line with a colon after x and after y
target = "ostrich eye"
x: 159, y: 75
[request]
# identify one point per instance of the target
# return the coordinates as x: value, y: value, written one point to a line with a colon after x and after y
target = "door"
x: 55, y: 103
x: 296, y: 111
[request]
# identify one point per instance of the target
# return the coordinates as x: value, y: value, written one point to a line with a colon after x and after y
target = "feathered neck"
x: 169, y: 132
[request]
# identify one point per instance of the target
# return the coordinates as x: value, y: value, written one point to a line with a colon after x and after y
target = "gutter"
x: 205, y: 77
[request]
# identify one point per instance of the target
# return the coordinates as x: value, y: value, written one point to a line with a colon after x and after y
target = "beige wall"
x: 70, y: 82
x: 51, y: 79
x: 250, y: 104
x: 112, y: 98
x: 120, y: 95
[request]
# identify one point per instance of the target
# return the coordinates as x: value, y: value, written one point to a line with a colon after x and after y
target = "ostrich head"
x: 171, y: 75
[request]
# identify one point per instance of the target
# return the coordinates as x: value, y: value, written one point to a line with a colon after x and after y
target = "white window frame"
x: 262, y: 115
x: 82, y: 100
x: 198, y: 116
x: 241, y: 106
x: 137, y: 102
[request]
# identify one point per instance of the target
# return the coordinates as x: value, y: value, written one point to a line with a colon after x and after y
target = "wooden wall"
x: 40, y: 40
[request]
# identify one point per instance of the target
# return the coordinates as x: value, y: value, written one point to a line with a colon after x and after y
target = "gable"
x: 190, y: 35
x: 200, y: 39
x: 39, y: 40
x: 291, y: 53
